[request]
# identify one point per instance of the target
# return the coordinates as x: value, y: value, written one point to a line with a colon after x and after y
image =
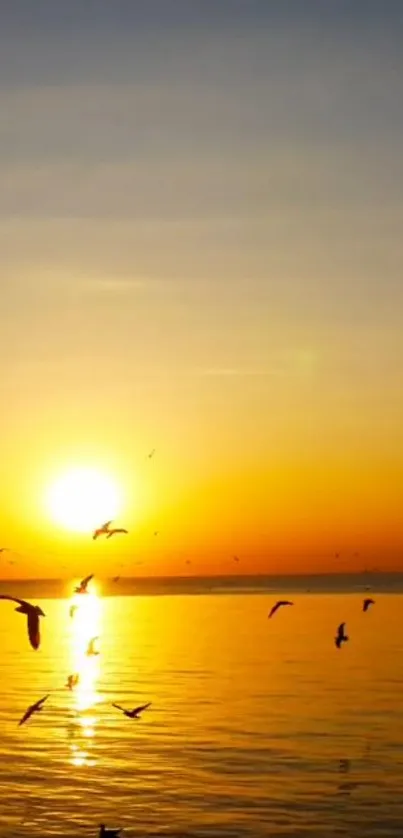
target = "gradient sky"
x: 201, y: 211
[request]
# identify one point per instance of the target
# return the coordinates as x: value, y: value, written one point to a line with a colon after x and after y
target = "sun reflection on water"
x: 85, y: 626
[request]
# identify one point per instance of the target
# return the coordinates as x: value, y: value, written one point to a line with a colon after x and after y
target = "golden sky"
x: 200, y: 252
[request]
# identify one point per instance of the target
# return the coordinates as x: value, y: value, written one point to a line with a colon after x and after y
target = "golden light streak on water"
x: 85, y: 626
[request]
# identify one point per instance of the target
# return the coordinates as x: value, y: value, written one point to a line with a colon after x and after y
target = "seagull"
x: 82, y: 587
x: 108, y: 833
x: 115, y: 530
x: 33, y: 613
x: 101, y: 530
x: 34, y: 708
x: 133, y: 714
x: 72, y: 681
x: 90, y: 648
x: 116, y: 579
x: 367, y: 603
x: 157, y: 532
x: 341, y: 637
x: 3, y: 549
x: 278, y: 605
x: 236, y: 558
x: 151, y: 454
x: 72, y: 610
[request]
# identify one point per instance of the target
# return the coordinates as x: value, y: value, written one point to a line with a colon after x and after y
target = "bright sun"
x: 82, y: 499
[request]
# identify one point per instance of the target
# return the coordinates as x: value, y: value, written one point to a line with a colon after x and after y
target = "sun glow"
x: 82, y: 499
x: 85, y: 626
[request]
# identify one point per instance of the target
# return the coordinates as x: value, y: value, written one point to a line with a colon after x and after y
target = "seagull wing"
x: 22, y: 602
x: 33, y: 709
x: 84, y: 582
x: 340, y: 630
x: 39, y: 704
x: 26, y: 715
x: 33, y: 629
x: 274, y: 609
x: 118, y: 707
x: 141, y: 708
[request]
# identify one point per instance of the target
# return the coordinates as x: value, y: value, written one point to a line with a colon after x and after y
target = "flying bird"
x: 3, y: 549
x: 115, y: 531
x: 82, y: 587
x: 279, y: 604
x: 135, y: 713
x: 116, y: 579
x: 33, y: 613
x: 157, y: 532
x: 151, y: 454
x: 101, y: 530
x: 341, y: 637
x: 72, y: 681
x: 367, y: 602
x: 108, y: 833
x: 72, y: 610
x: 34, y: 708
x: 236, y: 558
x: 91, y: 647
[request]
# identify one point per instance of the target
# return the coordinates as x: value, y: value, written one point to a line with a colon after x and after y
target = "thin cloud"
x: 234, y: 372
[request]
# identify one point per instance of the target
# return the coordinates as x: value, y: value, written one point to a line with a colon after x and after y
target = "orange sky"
x: 203, y: 257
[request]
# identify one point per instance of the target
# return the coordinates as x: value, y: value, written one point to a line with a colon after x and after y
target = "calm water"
x: 249, y: 720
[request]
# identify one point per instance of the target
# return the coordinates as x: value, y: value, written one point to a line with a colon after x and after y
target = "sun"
x: 82, y: 499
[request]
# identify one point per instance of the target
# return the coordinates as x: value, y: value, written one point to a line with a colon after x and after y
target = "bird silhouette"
x: 135, y: 713
x: 72, y: 681
x: 91, y: 651
x: 101, y: 530
x: 236, y: 558
x: 151, y: 454
x: 72, y: 610
x: 115, y: 531
x: 33, y: 613
x: 108, y: 833
x: 82, y: 587
x: 278, y: 605
x: 116, y: 579
x: 341, y: 636
x: 3, y: 549
x: 34, y: 708
x: 367, y: 602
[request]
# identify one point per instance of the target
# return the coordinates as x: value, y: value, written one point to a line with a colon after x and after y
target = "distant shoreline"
x: 388, y: 582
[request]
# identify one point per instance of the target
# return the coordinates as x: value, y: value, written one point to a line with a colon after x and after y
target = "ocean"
x: 256, y: 727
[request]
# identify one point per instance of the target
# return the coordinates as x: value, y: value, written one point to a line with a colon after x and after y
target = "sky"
x: 201, y: 209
